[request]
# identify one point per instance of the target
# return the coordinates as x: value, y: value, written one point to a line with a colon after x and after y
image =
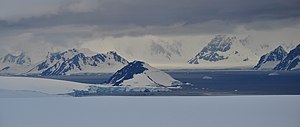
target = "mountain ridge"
x: 141, y: 74
x: 225, y: 50
x: 73, y: 61
x: 291, y: 61
x: 271, y: 59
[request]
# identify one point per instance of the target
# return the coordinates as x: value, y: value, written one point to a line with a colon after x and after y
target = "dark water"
x: 220, y: 81
x: 241, y: 82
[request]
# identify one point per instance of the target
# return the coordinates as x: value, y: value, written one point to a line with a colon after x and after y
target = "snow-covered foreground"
x: 47, y: 86
x: 217, y: 111
x: 17, y: 87
x: 24, y: 94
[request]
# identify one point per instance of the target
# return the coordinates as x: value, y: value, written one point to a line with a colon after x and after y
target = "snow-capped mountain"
x: 15, y: 64
x: 74, y: 61
x: 224, y: 49
x: 157, y: 51
x: 271, y: 59
x: 165, y: 49
x: 21, y: 59
x: 140, y: 74
x: 291, y: 61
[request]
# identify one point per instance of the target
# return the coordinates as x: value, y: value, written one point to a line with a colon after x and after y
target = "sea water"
x: 219, y: 81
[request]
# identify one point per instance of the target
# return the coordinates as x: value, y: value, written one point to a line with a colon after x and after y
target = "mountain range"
x: 21, y: 59
x: 72, y: 61
x: 221, y: 51
x: 279, y: 59
x: 9, y: 64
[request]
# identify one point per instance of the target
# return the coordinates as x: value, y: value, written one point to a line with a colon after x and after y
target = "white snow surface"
x: 23, y: 94
x: 38, y: 87
x: 268, y: 65
x: 297, y: 67
x: 47, y: 86
x: 200, y: 111
x: 15, y: 69
x: 238, y: 55
x: 152, y: 77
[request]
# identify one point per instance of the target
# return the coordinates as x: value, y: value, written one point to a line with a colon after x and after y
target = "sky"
x: 39, y: 26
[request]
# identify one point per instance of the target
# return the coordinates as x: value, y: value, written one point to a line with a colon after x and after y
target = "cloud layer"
x: 141, y: 13
x: 70, y: 23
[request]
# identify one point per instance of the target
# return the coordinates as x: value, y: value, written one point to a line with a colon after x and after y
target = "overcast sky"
x: 44, y: 25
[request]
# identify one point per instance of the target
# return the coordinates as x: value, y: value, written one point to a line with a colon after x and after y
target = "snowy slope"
x: 75, y: 61
x: 47, y: 86
x: 225, y: 50
x: 152, y: 49
x: 291, y: 61
x: 21, y: 59
x: 271, y: 59
x: 140, y: 74
x: 15, y: 64
x: 23, y: 94
x: 15, y: 69
x: 176, y: 111
x: 166, y: 50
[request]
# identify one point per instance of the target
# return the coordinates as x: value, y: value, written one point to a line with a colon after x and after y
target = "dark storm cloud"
x: 163, y: 12
x: 71, y: 22
x: 37, y: 26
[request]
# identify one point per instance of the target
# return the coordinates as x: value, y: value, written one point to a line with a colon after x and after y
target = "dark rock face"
x: 290, y: 61
x: 127, y: 72
x: 61, y: 63
x: 221, y: 43
x: 21, y: 59
x: 276, y: 55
